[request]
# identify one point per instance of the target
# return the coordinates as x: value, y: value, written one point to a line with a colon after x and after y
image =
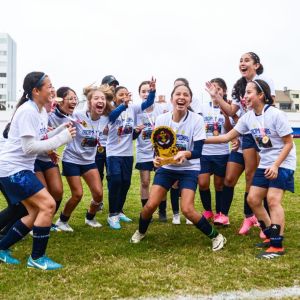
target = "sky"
x: 77, y: 42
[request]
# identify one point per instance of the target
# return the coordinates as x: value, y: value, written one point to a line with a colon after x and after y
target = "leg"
x: 144, y: 185
x: 219, y: 184
x: 205, y: 195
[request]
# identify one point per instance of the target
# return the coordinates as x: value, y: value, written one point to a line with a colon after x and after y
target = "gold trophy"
x: 163, y: 139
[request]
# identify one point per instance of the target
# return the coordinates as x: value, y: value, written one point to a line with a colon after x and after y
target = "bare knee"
x: 145, y: 184
x: 77, y: 196
x: 187, y: 211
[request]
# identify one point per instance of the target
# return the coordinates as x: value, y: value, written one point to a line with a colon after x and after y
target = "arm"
x: 31, y: 146
x: 181, y: 156
x: 116, y: 112
x: 272, y: 172
x: 151, y: 96
x: 57, y: 130
x: 229, y: 109
x: 225, y: 138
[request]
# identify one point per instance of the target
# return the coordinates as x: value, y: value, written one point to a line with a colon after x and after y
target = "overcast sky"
x: 78, y: 42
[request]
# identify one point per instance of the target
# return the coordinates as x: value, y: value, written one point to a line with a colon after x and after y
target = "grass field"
x: 171, y: 260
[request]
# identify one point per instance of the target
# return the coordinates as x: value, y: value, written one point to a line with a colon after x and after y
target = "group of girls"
x: 102, y: 135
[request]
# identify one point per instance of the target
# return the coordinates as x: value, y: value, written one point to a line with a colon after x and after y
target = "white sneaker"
x: 93, y: 223
x: 176, y: 219
x: 218, y: 242
x: 63, y: 226
x: 137, y: 237
x: 188, y: 222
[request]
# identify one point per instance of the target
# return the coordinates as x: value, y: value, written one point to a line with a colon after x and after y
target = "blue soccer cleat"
x: 5, y: 256
x: 43, y: 263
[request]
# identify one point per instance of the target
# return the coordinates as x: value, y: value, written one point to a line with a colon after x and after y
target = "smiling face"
x: 121, y: 95
x: 43, y: 95
x: 69, y: 102
x: 253, y: 98
x: 144, y: 91
x: 97, y: 103
x: 181, y: 98
x: 248, y: 67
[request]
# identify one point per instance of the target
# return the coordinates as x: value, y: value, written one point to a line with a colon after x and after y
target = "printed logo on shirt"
x: 262, y: 137
x: 211, y: 127
x: 127, y: 128
x: 89, y: 142
x: 182, y: 142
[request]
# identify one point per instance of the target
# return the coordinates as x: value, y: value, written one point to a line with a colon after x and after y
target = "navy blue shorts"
x: 248, y: 142
x: 120, y: 165
x: 186, y: 179
x: 145, y: 166
x: 236, y: 157
x: 20, y: 186
x: 70, y: 169
x: 214, y: 164
x: 284, y: 180
x: 42, y: 166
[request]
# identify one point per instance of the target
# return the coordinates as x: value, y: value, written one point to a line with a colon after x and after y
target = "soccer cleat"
x: 176, y: 219
x: 93, y: 223
x: 263, y: 244
x: 5, y: 256
x: 137, y: 237
x: 222, y: 220
x: 54, y: 228
x: 271, y: 253
x: 218, y: 242
x: 114, y: 222
x: 124, y: 218
x: 162, y: 217
x: 208, y: 215
x: 188, y: 222
x: 43, y: 263
x: 63, y: 226
x: 247, y: 224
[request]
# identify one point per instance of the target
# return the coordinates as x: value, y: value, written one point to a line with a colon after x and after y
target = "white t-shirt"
x: 144, y: 149
x: 189, y: 130
x: 275, y: 125
x: 82, y: 149
x: 27, y: 121
x: 214, y: 124
x: 119, y: 141
x: 196, y: 105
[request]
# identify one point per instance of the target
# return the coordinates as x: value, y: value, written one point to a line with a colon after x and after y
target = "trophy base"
x: 168, y: 161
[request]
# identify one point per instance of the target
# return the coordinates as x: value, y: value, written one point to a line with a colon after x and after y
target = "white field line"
x: 279, y: 293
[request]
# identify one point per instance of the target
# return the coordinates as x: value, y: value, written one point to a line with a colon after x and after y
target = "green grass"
x: 171, y: 260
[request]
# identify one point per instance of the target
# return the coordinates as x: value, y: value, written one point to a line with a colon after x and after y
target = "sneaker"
x: 271, y: 253
x: 262, y: 235
x: 63, y: 226
x: 218, y: 242
x: 124, y: 218
x: 188, y: 222
x: 114, y: 222
x: 43, y: 263
x: 247, y: 224
x: 216, y: 216
x: 54, y: 228
x: 221, y: 220
x: 162, y: 217
x: 176, y: 219
x: 263, y: 244
x: 208, y: 215
x: 93, y: 223
x: 137, y: 237
x: 5, y: 256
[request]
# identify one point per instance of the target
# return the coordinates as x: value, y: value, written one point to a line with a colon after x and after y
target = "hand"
x: 72, y: 131
x: 152, y: 84
x: 180, y: 157
x: 139, y: 128
x: 54, y: 156
x: 157, y: 161
x: 68, y: 124
x: 212, y: 90
x: 49, y: 128
x: 271, y: 173
x: 235, y: 144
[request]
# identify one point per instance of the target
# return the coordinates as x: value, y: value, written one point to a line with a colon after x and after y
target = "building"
x: 288, y: 100
x: 8, y: 54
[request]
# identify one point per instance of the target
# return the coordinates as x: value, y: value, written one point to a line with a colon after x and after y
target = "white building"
x: 8, y: 54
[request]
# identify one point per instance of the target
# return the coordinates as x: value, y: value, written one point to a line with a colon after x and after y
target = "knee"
x: 187, y: 211
x: 57, y: 194
x: 149, y: 208
x: 97, y: 195
x: 145, y: 184
x: 230, y: 181
x: 48, y: 206
x: 249, y: 173
x: 77, y: 195
x: 272, y: 203
x: 253, y: 201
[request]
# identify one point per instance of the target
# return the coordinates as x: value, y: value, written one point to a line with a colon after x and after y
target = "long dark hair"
x: 240, y: 86
x: 262, y: 87
x: 32, y: 80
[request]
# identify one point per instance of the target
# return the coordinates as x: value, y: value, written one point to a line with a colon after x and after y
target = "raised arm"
x: 151, y: 96
x: 116, y: 112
